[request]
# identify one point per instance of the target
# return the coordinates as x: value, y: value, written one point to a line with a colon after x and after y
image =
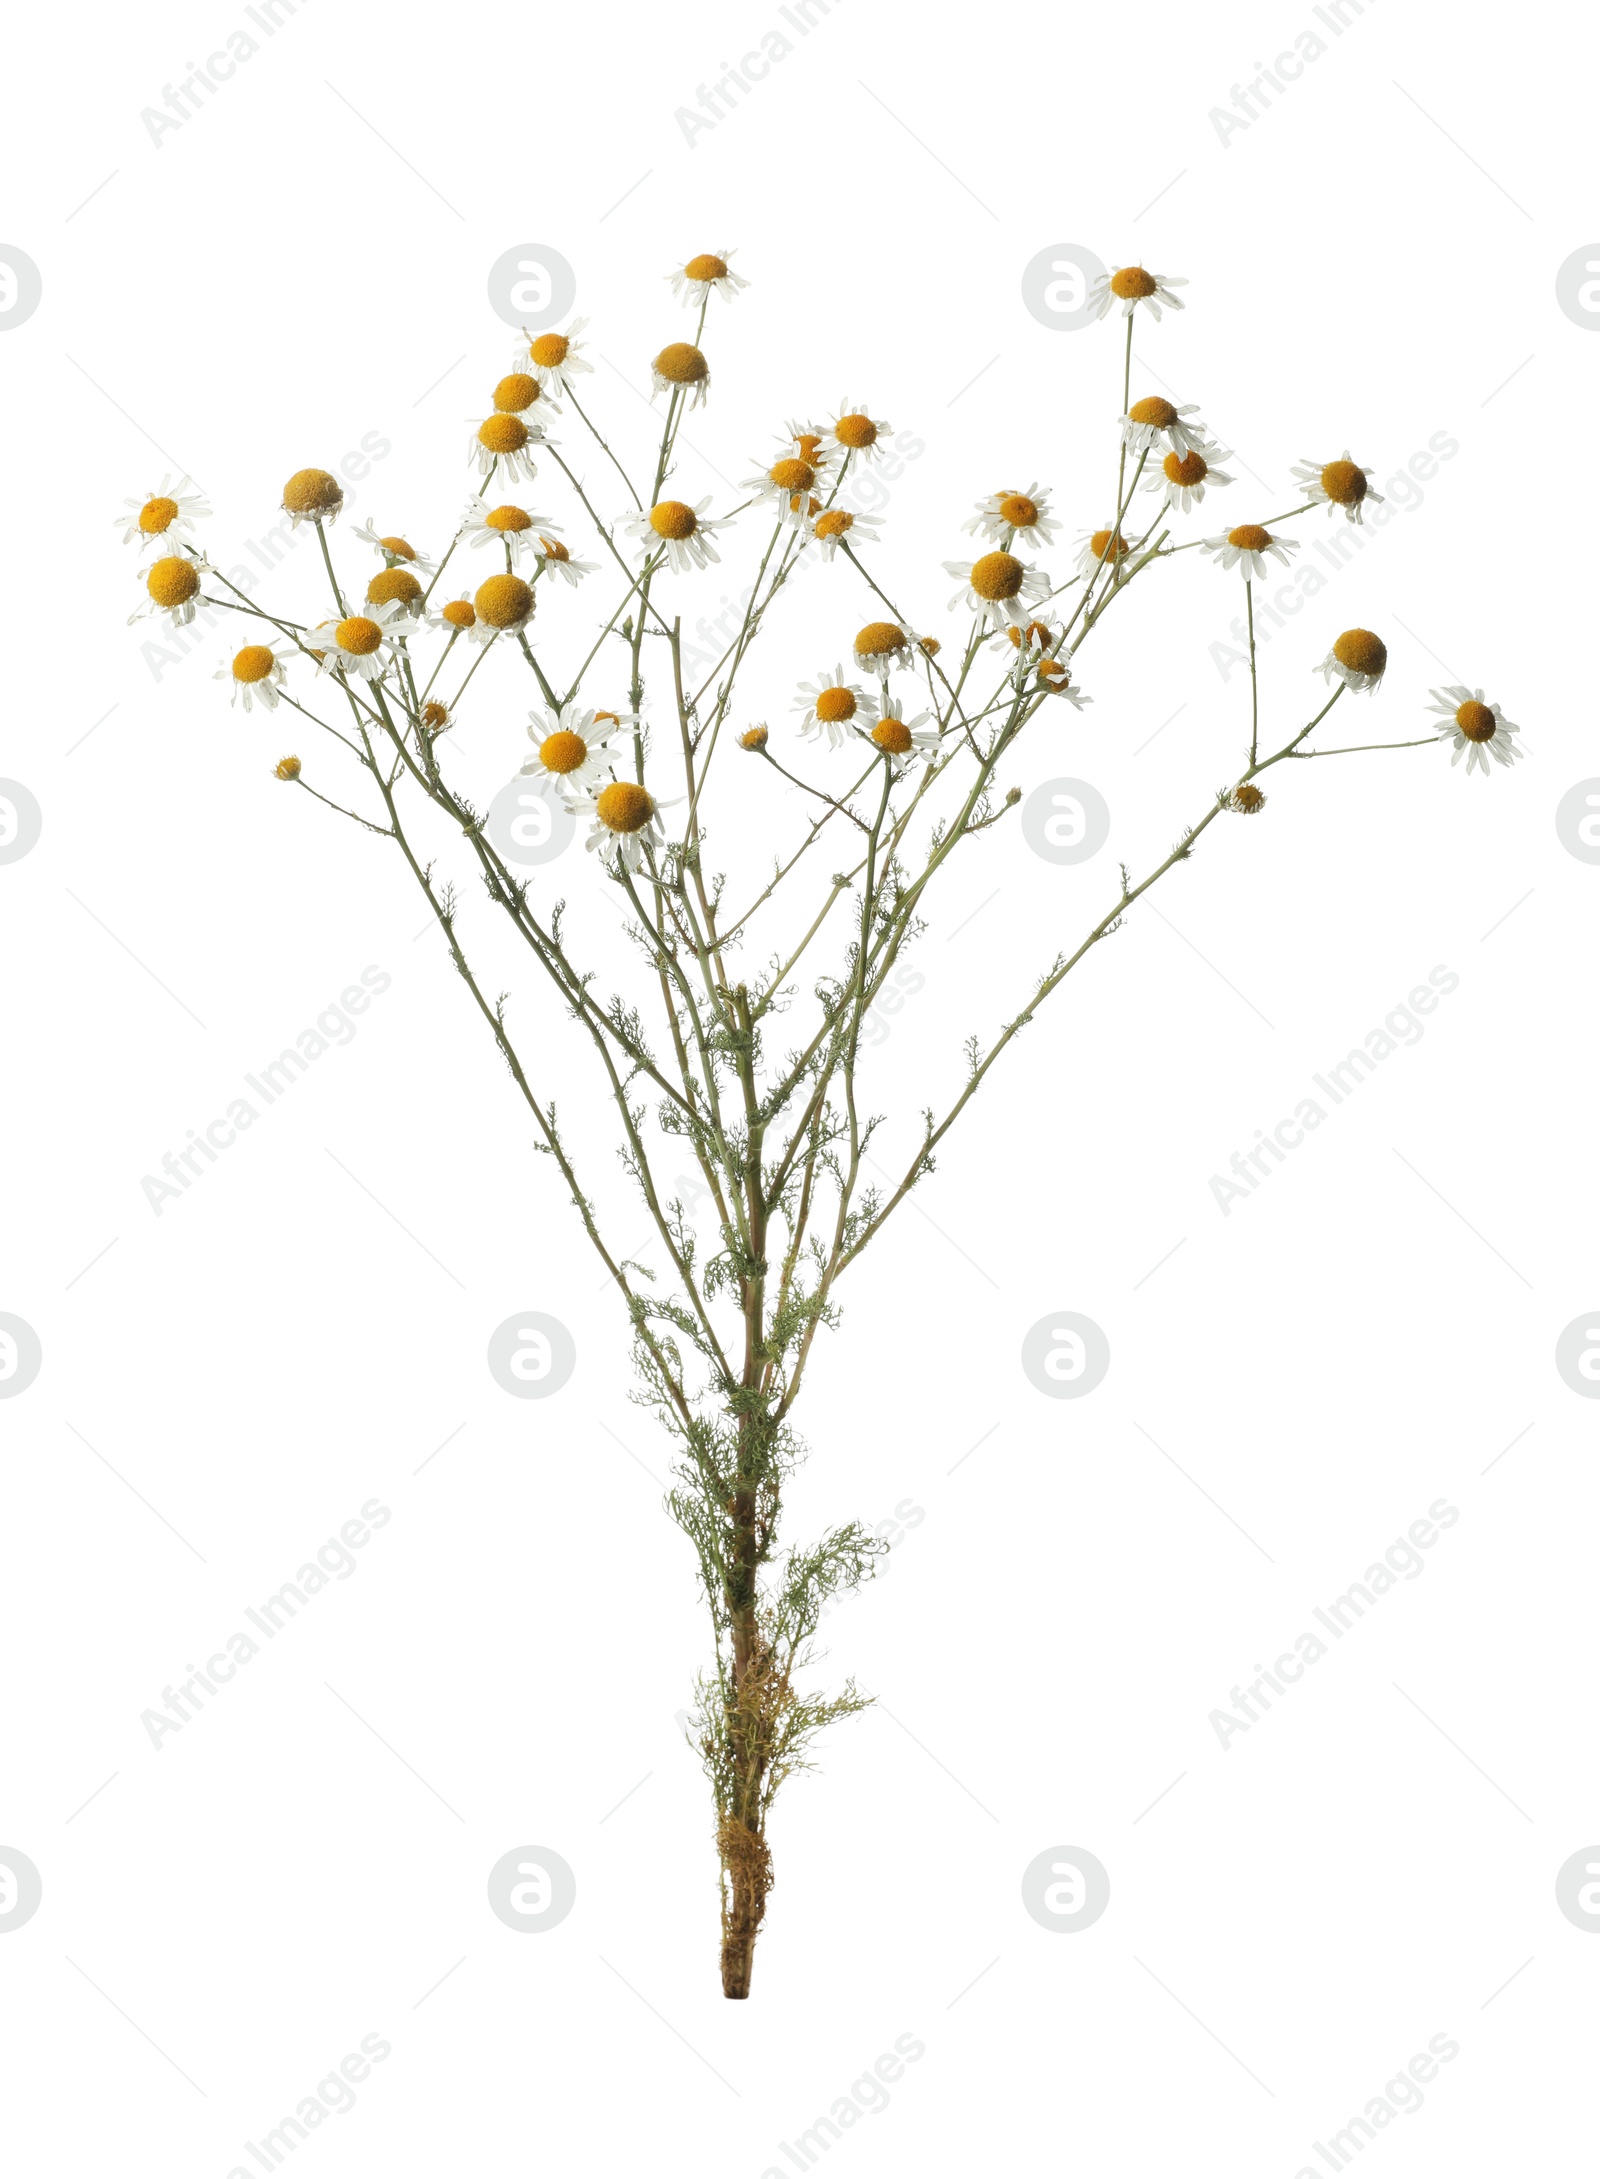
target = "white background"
x: 304, y: 262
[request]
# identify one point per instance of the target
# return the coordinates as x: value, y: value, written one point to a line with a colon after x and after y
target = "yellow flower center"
x: 1105, y: 546
x: 1153, y: 410
x: 1183, y: 469
x: 554, y: 549
x: 835, y: 522
x: 288, y: 768
x: 516, y: 391
x: 809, y: 445
x: 893, y: 735
x: 504, y: 601
x: 997, y: 575
x: 792, y: 475
x: 172, y: 582
x: 836, y: 704
x: 879, y: 638
x: 563, y: 751
x: 705, y: 268
x: 1035, y: 632
x: 253, y: 663
x: 672, y: 519
x: 1361, y: 651
x: 358, y: 635
x: 434, y: 716
x: 680, y: 363
x: 931, y: 645
x: 1018, y: 510
x: 392, y: 583
x: 313, y: 491
x: 754, y: 737
x: 1476, y: 721
x: 398, y: 546
x: 1052, y: 674
x: 1248, y: 798
x: 1250, y: 537
x: 502, y: 434
x: 624, y: 806
x: 606, y: 718
x: 508, y: 518
x: 1344, y: 483
x: 1131, y: 283
x: 855, y: 431
x: 458, y: 613
x: 549, y: 350
x: 157, y: 515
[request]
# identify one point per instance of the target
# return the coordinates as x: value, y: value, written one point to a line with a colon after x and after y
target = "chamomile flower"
x: 705, y: 276
x: 519, y: 393
x: 855, y: 432
x: 164, y: 517
x: 505, y: 438
x: 1342, y: 483
x: 1182, y: 478
x: 831, y: 527
x: 501, y: 606
x: 1037, y: 660
x: 884, y: 643
x: 1101, y: 548
x: 785, y: 489
x: 832, y: 705
x: 812, y: 444
x: 999, y: 585
x: 683, y: 533
x: 1130, y: 285
x: 1475, y: 729
x: 1005, y: 517
x: 569, y: 750
x: 172, y: 587
x: 255, y: 674
x: 624, y: 819
x: 555, y: 559
x: 513, y: 527
x: 364, y: 644
x: 394, y: 549
x: 1247, y: 547
x: 397, y: 586
x: 1357, y: 659
x: 899, y: 740
x: 681, y: 368
x: 554, y: 358
x: 455, y: 617
x: 312, y: 495
x: 1155, y: 418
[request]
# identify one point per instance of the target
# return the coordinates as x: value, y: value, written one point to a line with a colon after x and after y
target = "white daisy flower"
x: 256, y: 673
x: 999, y: 585
x: 569, y: 751
x: 398, y: 586
x: 1154, y: 419
x: 455, y: 617
x: 313, y: 495
x: 172, y: 588
x: 832, y: 527
x: 885, y: 643
x: 812, y: 444
x: 624, y: 819
x: 553, y: 358
x: 506, y: 439
x: 1342, y: 483
x: 1182, y: 478
x: 1247, y: 547
x: 513, y: 527
x: 365, y: 644
x: 855, y: 432
x: 502, y: 605
x: 786, y: 489
x: 900, y: 741
x: 681, y: 368
x: 1129, y: 285
x: 832, y: 705
x: 705, y: 276
x: 1037, y: 658
x: 1475, y: 729
x: 1006, y: 516
x: 555, y: 559
x: 395, y: 550
x: 164, y: 517
x: 681, y: 531
x: 1357, y: 659
x: 1101, y: 548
